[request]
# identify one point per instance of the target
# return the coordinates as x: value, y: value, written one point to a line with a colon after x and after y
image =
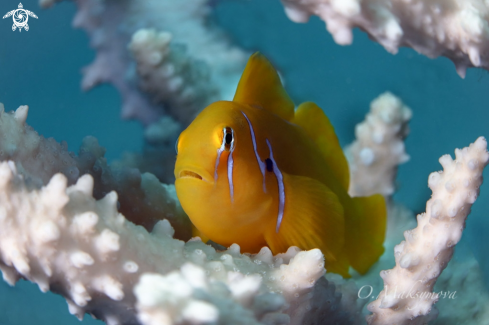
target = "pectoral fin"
x: 313, y: 218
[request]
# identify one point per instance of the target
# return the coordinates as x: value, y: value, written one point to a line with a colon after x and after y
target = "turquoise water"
x: 41, y: 68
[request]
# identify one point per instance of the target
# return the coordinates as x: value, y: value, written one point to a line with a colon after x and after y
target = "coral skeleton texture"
x: 64, y: 240
x: 115, y: 242
x: 456, y: 29
x: 167, y: 59
x: 379, y: 147
x: 142, y: 198
x: 154, y: 78
x: 171, y: 75
x: 428, y: 248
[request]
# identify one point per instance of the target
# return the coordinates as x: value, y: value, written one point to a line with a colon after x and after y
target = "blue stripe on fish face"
x: 230, y: 175
x: 281, y: 187
x: 261, y: 164
x: 271, y: 166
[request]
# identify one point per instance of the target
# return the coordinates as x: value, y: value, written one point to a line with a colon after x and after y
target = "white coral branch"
x: 379, y: 147
x: 171, y: 76
x: 111, y: 25
x: 456, y: 29
x: 407, y: 297
x: 64, y: 240
x: 142, y: 198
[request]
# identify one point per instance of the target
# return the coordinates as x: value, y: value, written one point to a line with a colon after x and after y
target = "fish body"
x: 256, y: 172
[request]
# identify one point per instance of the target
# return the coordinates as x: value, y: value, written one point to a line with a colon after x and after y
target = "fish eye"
x: 228, y: 138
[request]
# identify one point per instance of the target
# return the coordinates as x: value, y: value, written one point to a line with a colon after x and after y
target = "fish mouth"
x: 189, y: 174
x: 193, y: 173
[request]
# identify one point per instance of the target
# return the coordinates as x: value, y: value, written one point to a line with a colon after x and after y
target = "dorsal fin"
x: 318, y: 127
x: 260, y: 85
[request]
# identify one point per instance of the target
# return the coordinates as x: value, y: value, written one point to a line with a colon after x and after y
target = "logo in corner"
x: 20, y: 17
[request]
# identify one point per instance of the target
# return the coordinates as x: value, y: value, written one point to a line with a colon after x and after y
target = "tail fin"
x: 365, y: 231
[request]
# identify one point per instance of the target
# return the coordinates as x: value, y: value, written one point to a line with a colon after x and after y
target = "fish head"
x: 214, y: 132
x: 218, y: 181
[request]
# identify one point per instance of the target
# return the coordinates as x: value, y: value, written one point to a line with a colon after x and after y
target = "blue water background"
x: 41, y: 68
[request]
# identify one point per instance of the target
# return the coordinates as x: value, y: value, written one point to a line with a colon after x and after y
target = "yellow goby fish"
x: 256, y: 172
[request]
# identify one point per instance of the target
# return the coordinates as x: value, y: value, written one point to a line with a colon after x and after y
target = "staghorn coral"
x: 379, y: 148
x: 172, y: 289
x: 373, y: 160
x: 168, y: 73
x: 129, y: 182
x: 462, y: 276
x: 142, y: 198
x: 456, y: 29
x: 163, y: 84
x: 200, y: 55
x: 429, y: 247
x: 64, y: 240
x: 387, y: 121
